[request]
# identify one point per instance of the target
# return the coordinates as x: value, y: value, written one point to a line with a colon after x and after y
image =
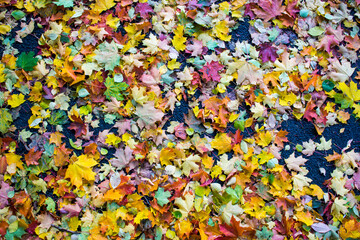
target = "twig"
x: 65, y: 230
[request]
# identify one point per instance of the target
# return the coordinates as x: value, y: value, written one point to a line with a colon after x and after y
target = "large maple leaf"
x: 148, y: 114
x: 269, y: 9
x: 81, y: 169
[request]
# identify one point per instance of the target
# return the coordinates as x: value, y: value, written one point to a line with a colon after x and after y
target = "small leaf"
x: 316, y: 31
x: 162, y: 196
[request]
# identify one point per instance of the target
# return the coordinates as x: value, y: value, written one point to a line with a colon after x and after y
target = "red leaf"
x: 210, y: 71
x: 269, y: 9
x: 32, y: 157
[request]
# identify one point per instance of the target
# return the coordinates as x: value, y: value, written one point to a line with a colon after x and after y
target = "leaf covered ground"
x: 179, y: 119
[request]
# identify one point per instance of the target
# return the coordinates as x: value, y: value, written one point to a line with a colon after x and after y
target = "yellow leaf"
x: 316, y: 191
x: 74, y: 223
x: 222, y: 143
x: 102, y: 5
x: 113, y: 195
x: 222, y: 31
x: 173, y: 64
x: 139, y: 94
x: 264, y: 138
x: 13, y: 158
x: 305, y: 218
x: 81, y: 169
x: 16, y: 100
x: 179, y: 40
x: 350, y: 229
x: 207, y: 161
x: 112, y: 22
x: 4, y: 28
x: 183, y: 227
x: 352, y: 92
x: 112, y: 139
x: 144, y: 214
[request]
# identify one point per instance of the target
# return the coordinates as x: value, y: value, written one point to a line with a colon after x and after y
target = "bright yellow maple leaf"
x: 102, y: 5
x: 351, y: 91
x: 264, y: 138
x: 179, y: 40
x: 304, y: 217
x: 112, y: 139
x: 81, y: 169
x: 16, y: 100
x: 222, y: 31
x: 222, y: 143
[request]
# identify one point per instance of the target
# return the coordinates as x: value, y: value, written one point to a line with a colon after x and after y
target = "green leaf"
x: 15, y: 235
x: 264, y: 233
x: 58, y: 118
x: 328, y: 85
x: 5, y: 120
x: 26, y: 61
x: 114, y: 89
x: 50, y: 204
x: 65, y: 3
x: 162, y: 197
x: 18, y: 14
x: 240, y: 125
x: 316, y: 31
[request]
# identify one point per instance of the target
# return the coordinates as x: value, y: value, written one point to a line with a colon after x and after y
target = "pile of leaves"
x: 153, y: 120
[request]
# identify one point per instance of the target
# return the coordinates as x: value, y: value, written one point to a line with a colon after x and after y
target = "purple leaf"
x: 268, y: 52
x: 144, y: 9
x: 320, y: 227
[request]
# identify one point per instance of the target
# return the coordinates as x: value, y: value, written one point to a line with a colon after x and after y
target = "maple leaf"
x: 27, y: 61
x: 300, y: 181
x: 293, y: 163
x: 107, y: 54
x: 340, y: 71
x: 222, y: 30
x: 189, y: 164
x: 162, y: 196
x: 309, y: 147
x: 179, y: 40
x: 350, y: 229
x: 122, y: 157
x: 102, y: 5
x: 16, y: 100
x: 351, y: 91
x: 151, y: 44
x: 81, y: 169
x: 196, y: 48
x: 32, y: 157
x: 268, y: 52
x: 339, y: 207
x: 4, y: 190
x: 115, y: 89
x: 78, y: 125
x: 269, y: 9
x: 323, y: 145
x: 144, y: 9
x: 222, y: 143
x: 211, y: 71
x: 148, y: 114
x: 5, y: 120
x: 184, y: 205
